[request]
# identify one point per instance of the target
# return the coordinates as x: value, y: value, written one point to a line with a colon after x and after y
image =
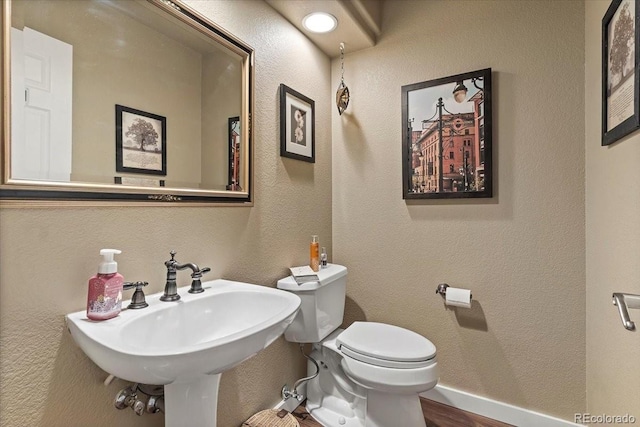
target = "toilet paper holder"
x: 442, y: 290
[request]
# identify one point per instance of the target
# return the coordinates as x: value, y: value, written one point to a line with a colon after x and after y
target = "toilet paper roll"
x: 458, y: 297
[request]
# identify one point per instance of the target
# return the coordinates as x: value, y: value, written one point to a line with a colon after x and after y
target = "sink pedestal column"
x: 192, y: 403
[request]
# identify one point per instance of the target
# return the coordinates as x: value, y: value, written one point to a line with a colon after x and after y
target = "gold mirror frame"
x: 15, y: 192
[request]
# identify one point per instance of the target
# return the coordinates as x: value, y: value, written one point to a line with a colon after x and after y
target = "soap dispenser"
x: 104, y: 299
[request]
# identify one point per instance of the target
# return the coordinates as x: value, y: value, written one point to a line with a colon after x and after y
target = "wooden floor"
x: 435, y: 414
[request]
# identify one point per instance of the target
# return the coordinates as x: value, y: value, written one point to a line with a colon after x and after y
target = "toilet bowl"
x: 370, y: 373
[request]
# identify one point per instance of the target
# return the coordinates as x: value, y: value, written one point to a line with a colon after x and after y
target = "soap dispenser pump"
x: 104, y: 299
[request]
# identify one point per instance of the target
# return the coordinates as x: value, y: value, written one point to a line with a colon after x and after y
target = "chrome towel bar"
x: 624, y: 302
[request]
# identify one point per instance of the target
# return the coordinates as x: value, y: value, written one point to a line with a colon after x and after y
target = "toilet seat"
x: 386, y: 346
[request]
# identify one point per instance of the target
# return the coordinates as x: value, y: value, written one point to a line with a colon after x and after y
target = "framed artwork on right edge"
x: 620, y: 76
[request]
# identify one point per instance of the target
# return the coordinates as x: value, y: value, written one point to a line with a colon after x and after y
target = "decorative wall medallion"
x: 342, y: 95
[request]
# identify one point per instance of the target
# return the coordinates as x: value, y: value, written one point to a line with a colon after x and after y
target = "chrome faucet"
x: 171, y: 287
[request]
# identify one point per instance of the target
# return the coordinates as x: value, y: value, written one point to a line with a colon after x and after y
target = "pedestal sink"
x: 186, y: 345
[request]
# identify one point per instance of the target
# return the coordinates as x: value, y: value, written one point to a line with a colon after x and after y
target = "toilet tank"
x: 322, y: 307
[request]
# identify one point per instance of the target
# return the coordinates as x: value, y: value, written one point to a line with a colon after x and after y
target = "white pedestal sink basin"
x: 186, y: 345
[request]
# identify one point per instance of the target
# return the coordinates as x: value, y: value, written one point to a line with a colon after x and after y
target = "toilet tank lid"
x: 326, y: 275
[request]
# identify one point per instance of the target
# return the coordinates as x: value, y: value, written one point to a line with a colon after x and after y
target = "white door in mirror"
x: 42, y: 70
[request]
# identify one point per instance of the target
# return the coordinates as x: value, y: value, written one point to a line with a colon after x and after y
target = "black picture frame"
x: 132, y: 128
x: 620, y: 53
x: 234, y: 136
x: 450, y: 155
x: 297, y: 125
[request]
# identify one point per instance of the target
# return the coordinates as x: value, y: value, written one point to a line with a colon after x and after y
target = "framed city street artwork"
x: 620, y: 72
x: 447, y: 138
x: 297, y: 125
x: 141, y: 142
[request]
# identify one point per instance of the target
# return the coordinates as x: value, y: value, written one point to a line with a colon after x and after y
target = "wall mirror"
x: 123, y: 100
x: 446, y: 137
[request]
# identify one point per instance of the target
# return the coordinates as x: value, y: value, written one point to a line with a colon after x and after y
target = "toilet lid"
x: 386, y: 345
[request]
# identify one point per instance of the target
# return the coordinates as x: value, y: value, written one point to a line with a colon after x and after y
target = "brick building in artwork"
x: 462, y: 151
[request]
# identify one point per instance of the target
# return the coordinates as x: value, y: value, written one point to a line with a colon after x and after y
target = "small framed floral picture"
x: 297, y: 125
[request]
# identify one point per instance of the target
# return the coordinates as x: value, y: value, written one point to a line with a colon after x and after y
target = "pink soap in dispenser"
x: 104, y: 300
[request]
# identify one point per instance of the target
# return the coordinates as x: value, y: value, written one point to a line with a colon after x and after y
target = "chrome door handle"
x: 624, y: 302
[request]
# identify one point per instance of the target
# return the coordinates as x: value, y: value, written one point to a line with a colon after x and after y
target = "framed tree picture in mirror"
x: 141, y: 142
x: 447, y: 137
x: 620, y: 74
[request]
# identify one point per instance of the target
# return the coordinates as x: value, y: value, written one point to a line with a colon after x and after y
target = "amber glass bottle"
x: 314, y: 253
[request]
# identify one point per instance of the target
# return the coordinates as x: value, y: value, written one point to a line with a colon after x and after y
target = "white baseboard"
x: 489, y: 408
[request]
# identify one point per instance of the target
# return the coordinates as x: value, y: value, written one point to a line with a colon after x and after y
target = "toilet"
x: 370, y: 374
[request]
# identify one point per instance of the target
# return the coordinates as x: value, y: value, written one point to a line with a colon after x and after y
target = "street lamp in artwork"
x: 460, y: 90
x: 466, y: 170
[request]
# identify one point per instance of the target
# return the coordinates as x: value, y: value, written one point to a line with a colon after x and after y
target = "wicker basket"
x: 272, y: 418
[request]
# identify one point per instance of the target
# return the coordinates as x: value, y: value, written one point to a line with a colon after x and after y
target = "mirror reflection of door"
x: 41, y: 77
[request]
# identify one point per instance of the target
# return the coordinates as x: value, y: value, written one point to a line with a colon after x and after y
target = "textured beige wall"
x: 522, y: 252
x: 613, y: 245
x: 46, y: 255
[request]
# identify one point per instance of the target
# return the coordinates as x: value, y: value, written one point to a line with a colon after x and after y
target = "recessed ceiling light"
x: 320, y: 22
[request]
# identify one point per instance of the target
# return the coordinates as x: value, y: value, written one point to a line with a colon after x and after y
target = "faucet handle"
x: 196, y: 283
x: 170, y: 264
x: 198, y: 273
x: 137, y: 300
